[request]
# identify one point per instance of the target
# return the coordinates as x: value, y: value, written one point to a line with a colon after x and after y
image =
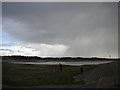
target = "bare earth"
x: 105, y: 76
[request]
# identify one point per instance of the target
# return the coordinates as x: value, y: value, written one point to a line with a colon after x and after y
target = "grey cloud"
x: 65, y: 23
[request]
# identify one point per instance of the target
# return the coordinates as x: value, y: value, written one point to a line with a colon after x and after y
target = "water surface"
x: 73, y: 63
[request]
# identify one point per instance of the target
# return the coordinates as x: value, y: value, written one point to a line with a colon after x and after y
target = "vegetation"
x: 36, y: 75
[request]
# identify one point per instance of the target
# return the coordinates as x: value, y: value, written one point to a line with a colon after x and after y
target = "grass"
x: 36, y: 75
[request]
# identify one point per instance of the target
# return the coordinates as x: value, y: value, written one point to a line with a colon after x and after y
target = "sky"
x: 57, y: 29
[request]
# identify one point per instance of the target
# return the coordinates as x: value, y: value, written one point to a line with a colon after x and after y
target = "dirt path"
x: 104, y: 76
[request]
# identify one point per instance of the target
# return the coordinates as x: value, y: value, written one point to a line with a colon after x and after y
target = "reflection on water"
x: 78, y: 63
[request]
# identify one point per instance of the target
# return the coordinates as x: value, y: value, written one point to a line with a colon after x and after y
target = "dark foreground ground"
x: 104, y: 76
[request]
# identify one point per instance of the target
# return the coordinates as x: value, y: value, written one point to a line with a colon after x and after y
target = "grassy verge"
x: 36, y: 75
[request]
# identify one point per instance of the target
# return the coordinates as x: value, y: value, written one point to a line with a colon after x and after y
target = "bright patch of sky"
x: 32, y: 49
x: 17, y: 50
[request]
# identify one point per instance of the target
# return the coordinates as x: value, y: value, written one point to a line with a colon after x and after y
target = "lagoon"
x: 73, y: 63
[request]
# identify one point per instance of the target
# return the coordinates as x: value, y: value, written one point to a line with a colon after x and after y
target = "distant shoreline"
x: 35, y: 58
x: 70, y: 63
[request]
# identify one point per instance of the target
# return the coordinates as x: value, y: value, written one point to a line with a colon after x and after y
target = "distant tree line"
x: 48, y: 58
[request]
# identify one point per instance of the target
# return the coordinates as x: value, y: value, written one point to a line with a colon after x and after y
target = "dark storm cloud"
x: 84, y: 27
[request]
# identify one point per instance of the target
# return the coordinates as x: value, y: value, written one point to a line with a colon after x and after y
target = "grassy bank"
x: 36, y: 75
